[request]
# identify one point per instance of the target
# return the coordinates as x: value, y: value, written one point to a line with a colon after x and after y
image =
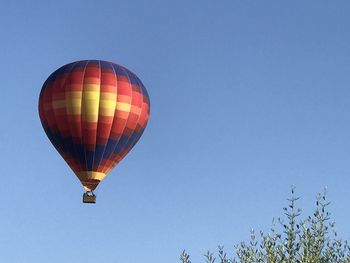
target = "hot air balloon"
x: 93, y: 112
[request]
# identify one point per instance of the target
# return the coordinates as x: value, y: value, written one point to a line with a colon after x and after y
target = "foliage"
x: 309, y: 240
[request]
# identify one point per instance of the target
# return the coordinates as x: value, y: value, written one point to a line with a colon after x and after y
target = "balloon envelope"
x: 93, y: 112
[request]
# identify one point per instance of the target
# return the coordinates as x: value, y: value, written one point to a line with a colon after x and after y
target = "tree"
x: 294, y: 240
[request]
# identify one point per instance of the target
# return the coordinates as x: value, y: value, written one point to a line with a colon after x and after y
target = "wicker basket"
x: 89, y: 198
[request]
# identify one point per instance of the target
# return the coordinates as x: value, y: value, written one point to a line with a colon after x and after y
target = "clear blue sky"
x: 248, y: 98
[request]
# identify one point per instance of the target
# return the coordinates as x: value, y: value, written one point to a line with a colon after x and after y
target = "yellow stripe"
x: 91, y: 95
x: 74, y: 103
x: 90, y: 104
x: 108, y: 101
x: 90, y: 118
x: 123, y: 106
x: 91, y: 175
x: 108, y: 96
x: 107, y: 104
x: 91, y: 87
x: 73, y: 100
x: 107, y: 107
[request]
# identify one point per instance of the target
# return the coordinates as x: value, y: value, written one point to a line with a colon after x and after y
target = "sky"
x: 247, y: 99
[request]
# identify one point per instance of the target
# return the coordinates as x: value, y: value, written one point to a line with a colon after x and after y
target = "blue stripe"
x: 111, y: 144
x: 89, y: 160
x: 106, y: 64
x: 122, y: 141
x: 119, y: 70
x: 66, y: 145
x: 98, y: 153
